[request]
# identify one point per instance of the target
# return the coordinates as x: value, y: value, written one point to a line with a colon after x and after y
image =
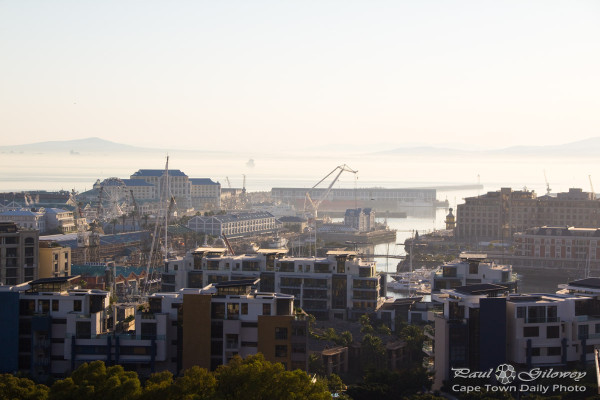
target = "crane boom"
x: 315, y: 204
x: 592, y: 186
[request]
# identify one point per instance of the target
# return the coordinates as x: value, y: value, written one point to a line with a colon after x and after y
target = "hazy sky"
x: 275, y: 74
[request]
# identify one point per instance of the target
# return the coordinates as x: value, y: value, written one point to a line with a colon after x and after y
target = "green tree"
x: 159, y: 387
x: 346, y: 337
x: 372, y: 352
x: 365, y: 324
x: 254, y: 378
x: 94, y: 381
x: 414, y: 337
x: 13, y: 388
x: 196, y: 383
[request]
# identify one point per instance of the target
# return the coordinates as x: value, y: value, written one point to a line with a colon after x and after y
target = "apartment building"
x: 54, y: 260
x: 44, y: 320
x: 564, y: 248
x: 482, y: 327
x: 498, y: 215
x: 340, y: 285
x: 235, y: 225
x: 473, y: 269
x: 54, y: 327
x: 18, y: 254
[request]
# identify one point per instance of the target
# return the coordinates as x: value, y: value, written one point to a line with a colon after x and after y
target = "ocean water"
x: 31, y: 171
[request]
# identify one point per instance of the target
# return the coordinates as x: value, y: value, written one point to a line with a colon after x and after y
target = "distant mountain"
x: 74, y: 147
x: 587, y: 147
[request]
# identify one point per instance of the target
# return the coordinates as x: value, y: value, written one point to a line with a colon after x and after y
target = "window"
x: 583, y: 331
x: 54, y: 305
x: 266, y: 309
x: 281, y: 333
x: 552, y: 332
x: 233, y: 310
x: 554, y: 351
x: 531, y: 331
x: 535, y: 351
x: 77, y: 305
x: 281, y: 351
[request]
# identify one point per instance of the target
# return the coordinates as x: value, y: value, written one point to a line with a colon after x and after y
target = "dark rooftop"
x: 587, y: 282
x: 479, y: 289
x: 241, y: 282
x: 60, y: 279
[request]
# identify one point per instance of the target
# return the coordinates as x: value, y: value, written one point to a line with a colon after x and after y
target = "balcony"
x: 584, y: 318
x: 541, y: 320
x: 428, y: 349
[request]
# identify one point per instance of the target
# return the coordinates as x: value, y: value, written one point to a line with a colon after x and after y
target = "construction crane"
x: 228, y: 183
x: 228, y: 245
x: 548, y: 190
x: 135, y: 208
x: 315, y: 204
x: 592, y: 186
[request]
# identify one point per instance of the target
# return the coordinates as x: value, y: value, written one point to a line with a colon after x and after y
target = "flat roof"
x: 342, y: 253
x: 241, y: 282
x: 271, y: 251
x: 473, y: 256
x: 587, y: 282
x: 60, y: 279
x: 481, y: 288
x: 210, y: 249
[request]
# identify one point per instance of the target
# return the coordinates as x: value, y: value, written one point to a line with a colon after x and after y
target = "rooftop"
x: 203, y: 181
x: 480, y: 289
x: 587, y: 282
x: 158, y: 172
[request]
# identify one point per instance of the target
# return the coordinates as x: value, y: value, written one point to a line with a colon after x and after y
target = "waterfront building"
x: 473, y: 269
x: 342, y: 199
x: 481, y: 327
x: 498, y: 215
x: 205, y: 194
x: 361, y: 219
x: 25, y: 219
x: 179, y: 184
x: 235, y: 225
x: 54, y: 260
x: 18, y: 254
x: 558, y: 248
x: 340, y: 285
x: 59, y: 220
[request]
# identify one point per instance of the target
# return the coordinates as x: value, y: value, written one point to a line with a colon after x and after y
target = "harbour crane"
x: 314, y: 205
x: 548, y: 190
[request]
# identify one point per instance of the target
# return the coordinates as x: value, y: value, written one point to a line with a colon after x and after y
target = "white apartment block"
x: 473, y: 269
x: 481, y: 326
x: 340, y: 285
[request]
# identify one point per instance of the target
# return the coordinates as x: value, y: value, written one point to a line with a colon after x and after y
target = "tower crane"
x: 592, y: 186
